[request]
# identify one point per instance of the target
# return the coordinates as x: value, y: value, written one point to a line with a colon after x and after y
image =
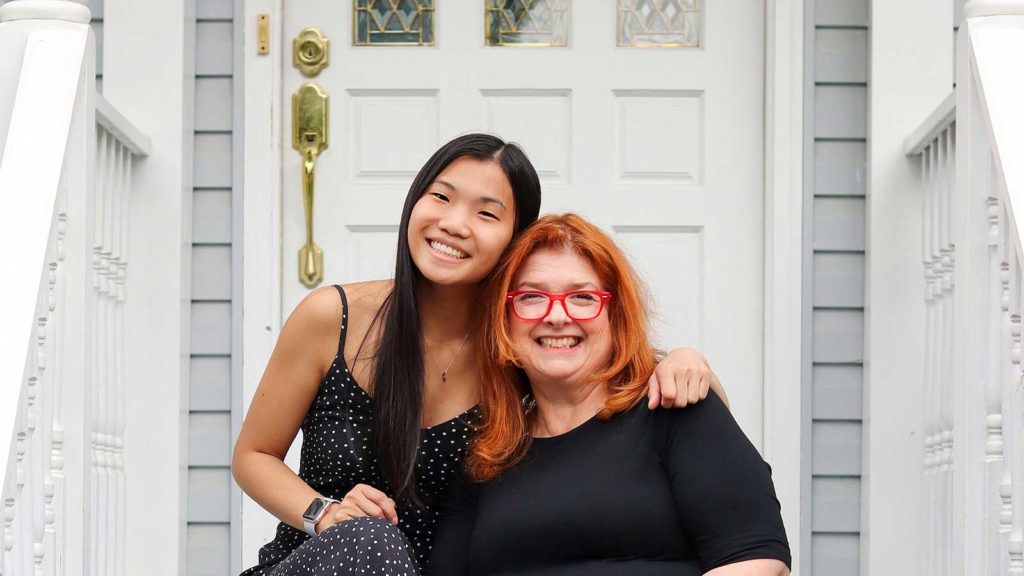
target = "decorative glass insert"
x: 659, y: 23
x: 393, y: 22
x: 526, y: 22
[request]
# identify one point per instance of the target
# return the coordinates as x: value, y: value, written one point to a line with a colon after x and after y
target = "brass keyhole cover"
x: 310, y: 52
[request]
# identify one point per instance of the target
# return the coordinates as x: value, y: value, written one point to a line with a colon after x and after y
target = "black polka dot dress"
x: 337, y: 453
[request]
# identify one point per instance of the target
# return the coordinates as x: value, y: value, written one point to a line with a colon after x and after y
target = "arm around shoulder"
x: 722, y: 488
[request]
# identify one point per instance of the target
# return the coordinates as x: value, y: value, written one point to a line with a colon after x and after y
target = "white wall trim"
x: 807, y: 284
x: 783, y: 245
x: 911, y: 73
x: 237, y: 271
x: 261, y: 225
x: 784, y: 66
x: 137, y: 35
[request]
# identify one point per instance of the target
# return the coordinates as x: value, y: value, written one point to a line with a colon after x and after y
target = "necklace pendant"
x: 444, y: 377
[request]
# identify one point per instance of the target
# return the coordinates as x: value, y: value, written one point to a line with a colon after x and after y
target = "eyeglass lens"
x: 578, y: 305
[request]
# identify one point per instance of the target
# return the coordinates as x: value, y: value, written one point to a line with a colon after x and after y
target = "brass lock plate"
x: 310, y: 52
x: 309, y: 118
x: 263, y: 34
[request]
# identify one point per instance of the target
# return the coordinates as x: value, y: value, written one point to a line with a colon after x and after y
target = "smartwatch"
x: 317, y: 508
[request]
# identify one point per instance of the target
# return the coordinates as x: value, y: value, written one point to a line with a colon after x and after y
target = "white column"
x: 911, y: 73
x: 784, y: 216
x: 148, y: 77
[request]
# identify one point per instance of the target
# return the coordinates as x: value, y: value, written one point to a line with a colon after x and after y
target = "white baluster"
x: 101, y: 175
x: 927, y: 511
x: 37, y: 447
x: 119, y: 412
x: 938, y: 384
x: 110, y: 398
x: 1012, y: 475
x: 998, y: 302
x: 8, y: 529
x: 1015, y: 541
x: 57, y: 428
x: 50, y: 386
x: 946, y: 397
x: 932, y: 294
x: 102, y: 356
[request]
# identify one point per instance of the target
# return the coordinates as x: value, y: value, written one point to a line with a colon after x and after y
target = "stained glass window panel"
x: 526, y: 22
x: 393, y: 22
x: 659, y: 23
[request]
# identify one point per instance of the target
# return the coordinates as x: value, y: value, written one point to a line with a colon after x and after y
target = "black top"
x: 338, y: 452
x: 646, y: 492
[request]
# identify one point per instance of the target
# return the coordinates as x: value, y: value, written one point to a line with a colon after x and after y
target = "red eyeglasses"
x: 533, y: 305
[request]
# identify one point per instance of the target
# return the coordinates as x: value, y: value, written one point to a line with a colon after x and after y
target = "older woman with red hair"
x: 570, y: 473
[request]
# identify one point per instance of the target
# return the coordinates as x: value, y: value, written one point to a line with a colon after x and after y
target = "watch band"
x: 310, y: 523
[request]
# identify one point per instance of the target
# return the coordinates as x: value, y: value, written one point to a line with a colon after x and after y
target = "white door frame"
x: 784, y: 70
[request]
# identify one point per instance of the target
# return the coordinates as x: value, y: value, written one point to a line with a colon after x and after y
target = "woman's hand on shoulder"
x: 362, y: 500
x: 683, y: 377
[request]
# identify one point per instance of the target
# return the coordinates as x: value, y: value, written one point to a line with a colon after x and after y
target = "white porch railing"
x: 972, y: 177
x: 65, y: 189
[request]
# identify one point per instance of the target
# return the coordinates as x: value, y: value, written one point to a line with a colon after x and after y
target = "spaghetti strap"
x: 344, y: 321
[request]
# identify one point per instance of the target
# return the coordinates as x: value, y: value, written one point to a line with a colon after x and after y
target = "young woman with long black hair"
x: 381, y: 376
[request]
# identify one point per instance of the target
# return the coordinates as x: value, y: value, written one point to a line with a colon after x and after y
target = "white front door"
x: 661, y: 146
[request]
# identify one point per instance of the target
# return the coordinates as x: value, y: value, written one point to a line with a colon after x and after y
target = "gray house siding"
x: 838, y: 75
x: 210, y: 375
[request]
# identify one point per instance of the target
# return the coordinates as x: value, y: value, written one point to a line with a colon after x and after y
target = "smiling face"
x: 557, y: 349
x: 462, y: 223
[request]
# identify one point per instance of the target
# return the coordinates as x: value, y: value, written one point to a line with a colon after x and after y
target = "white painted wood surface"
x: 972, y: 506
x: 64, y: 489
x: 910, y: 75
x: 44, y: 217
x: 149, y: 48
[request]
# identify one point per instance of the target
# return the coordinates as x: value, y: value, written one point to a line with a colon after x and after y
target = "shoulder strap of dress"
x: 344, y: 321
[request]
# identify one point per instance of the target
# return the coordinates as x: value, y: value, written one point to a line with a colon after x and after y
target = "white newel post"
x: 45, y: 224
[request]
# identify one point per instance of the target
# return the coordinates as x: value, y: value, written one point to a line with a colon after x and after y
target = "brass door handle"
x: 309, y: 137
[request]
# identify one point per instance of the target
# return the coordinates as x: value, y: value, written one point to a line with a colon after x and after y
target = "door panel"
x: 662, y: 147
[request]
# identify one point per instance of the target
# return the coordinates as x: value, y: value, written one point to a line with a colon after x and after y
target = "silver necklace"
x: 444, y: 373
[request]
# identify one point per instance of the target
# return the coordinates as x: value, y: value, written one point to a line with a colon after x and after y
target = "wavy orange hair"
x: 504, y: 435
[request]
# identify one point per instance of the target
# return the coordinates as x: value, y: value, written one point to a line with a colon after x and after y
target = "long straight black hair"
x: 398, y: 375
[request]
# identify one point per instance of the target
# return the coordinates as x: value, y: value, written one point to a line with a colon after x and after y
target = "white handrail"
x: 124, y: 131
x: 941, y: 118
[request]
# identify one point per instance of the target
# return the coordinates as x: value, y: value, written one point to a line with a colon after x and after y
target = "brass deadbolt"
x: 310, y: 52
